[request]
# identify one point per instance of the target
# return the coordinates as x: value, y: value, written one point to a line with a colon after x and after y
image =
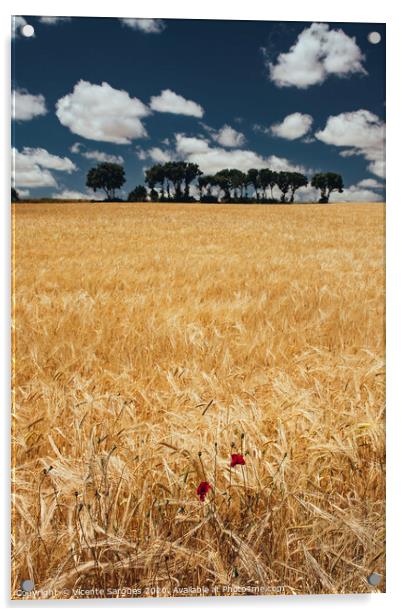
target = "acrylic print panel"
x: 198, y: 307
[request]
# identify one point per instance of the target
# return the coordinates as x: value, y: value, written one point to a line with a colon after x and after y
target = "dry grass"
x: 151, y: 341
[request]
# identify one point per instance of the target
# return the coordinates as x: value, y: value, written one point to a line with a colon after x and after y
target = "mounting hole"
x: 28, y: 30
x: 374, y: 38
x: 374, y: 578
x: 27, y: 585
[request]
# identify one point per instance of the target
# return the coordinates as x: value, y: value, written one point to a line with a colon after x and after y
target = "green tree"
x: 283, y: 182
x: 191, y: 172
x: 159, y: 175
x: 206, y: 182
x: 326, y: 183
x: 253, y: 178
x: 153, y: 194
x: 139, y: 194
x: 152, y: 178
x: 175, y: 172
x: 273, y: 182
x: 14, y: 195
x: 237, y: 181
x: 297, y: 180
x: 108, y: 177
x: 222, y: 179
x: 268, y: 179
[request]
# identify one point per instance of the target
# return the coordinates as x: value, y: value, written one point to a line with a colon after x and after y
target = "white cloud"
x: 354, y: 193
x: 307, y: 194
x: 30, y: 167
x: 170, y: 102
x: 141, y: 153
x: 191, y: 145
x: 17, y: 23
x: 42, y: 157
x: 23, y: 193
x: 26, y: 106
x: 74, y: 195
x: 294, y: 126
x: 159, y: 155
x: 363, y: 132
x: 150, y: 26
x: 317, y: 53
x: 51, y: 21
x: 370, y: 183
x: 156, y: 154
x: 229, y: 137
x: 213, y: 159
x: 101, y: 157
x: 102, y: 113
x: 75, y: 148
x: 378, y: 168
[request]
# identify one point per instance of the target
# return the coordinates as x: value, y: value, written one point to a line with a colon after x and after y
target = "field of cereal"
x: 151, y: 342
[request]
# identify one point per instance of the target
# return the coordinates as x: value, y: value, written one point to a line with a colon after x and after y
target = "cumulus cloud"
x: 159, y: 155
x: 357, y: 193
x: 31, y: 167
x: 378, y: 168
x: 170, y: 102
x: 149, y: 26
x: 191, y: 145
x: 52, y: 21
x: 75, y: 195
x: 370, y: 183
x: 101, y: 157
x: 362, y: 132
x: 76, y: 147
x: 317, y: 53
x: 227, y: 136
x: 26, y: 106
x: 102, y: 113
x: 23, y: 193
x: 294, y: 126
x: 156, y: 154
x: 212, y: 159
x: 354, y: 193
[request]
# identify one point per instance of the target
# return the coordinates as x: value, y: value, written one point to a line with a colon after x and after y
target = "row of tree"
x: 172, y: 181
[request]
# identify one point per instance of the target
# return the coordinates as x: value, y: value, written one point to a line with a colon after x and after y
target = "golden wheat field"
x: 152, y: 342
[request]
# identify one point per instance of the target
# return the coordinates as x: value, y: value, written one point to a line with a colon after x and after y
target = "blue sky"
x: 303, y: 96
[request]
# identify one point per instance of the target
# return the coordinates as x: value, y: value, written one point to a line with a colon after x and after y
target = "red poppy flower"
x: 203, y: 489
x: 237, y: 458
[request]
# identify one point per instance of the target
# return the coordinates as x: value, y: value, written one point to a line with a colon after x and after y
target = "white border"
x: 291, y: 10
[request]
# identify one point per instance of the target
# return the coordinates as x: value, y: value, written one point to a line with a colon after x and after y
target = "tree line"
x: 172, y: 181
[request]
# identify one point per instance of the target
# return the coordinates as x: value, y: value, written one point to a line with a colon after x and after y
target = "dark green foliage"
x: 326, y: 183
x: 283, y: 183
x: 253, y: 178
x: 223, y: 181
x: 138, y: 194
x: 14, y: 195
x: 297, y: 180
x: 232, y: 185
x: 108, y: 177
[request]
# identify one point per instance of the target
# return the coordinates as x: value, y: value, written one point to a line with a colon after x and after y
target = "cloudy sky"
x: 286, y: 95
